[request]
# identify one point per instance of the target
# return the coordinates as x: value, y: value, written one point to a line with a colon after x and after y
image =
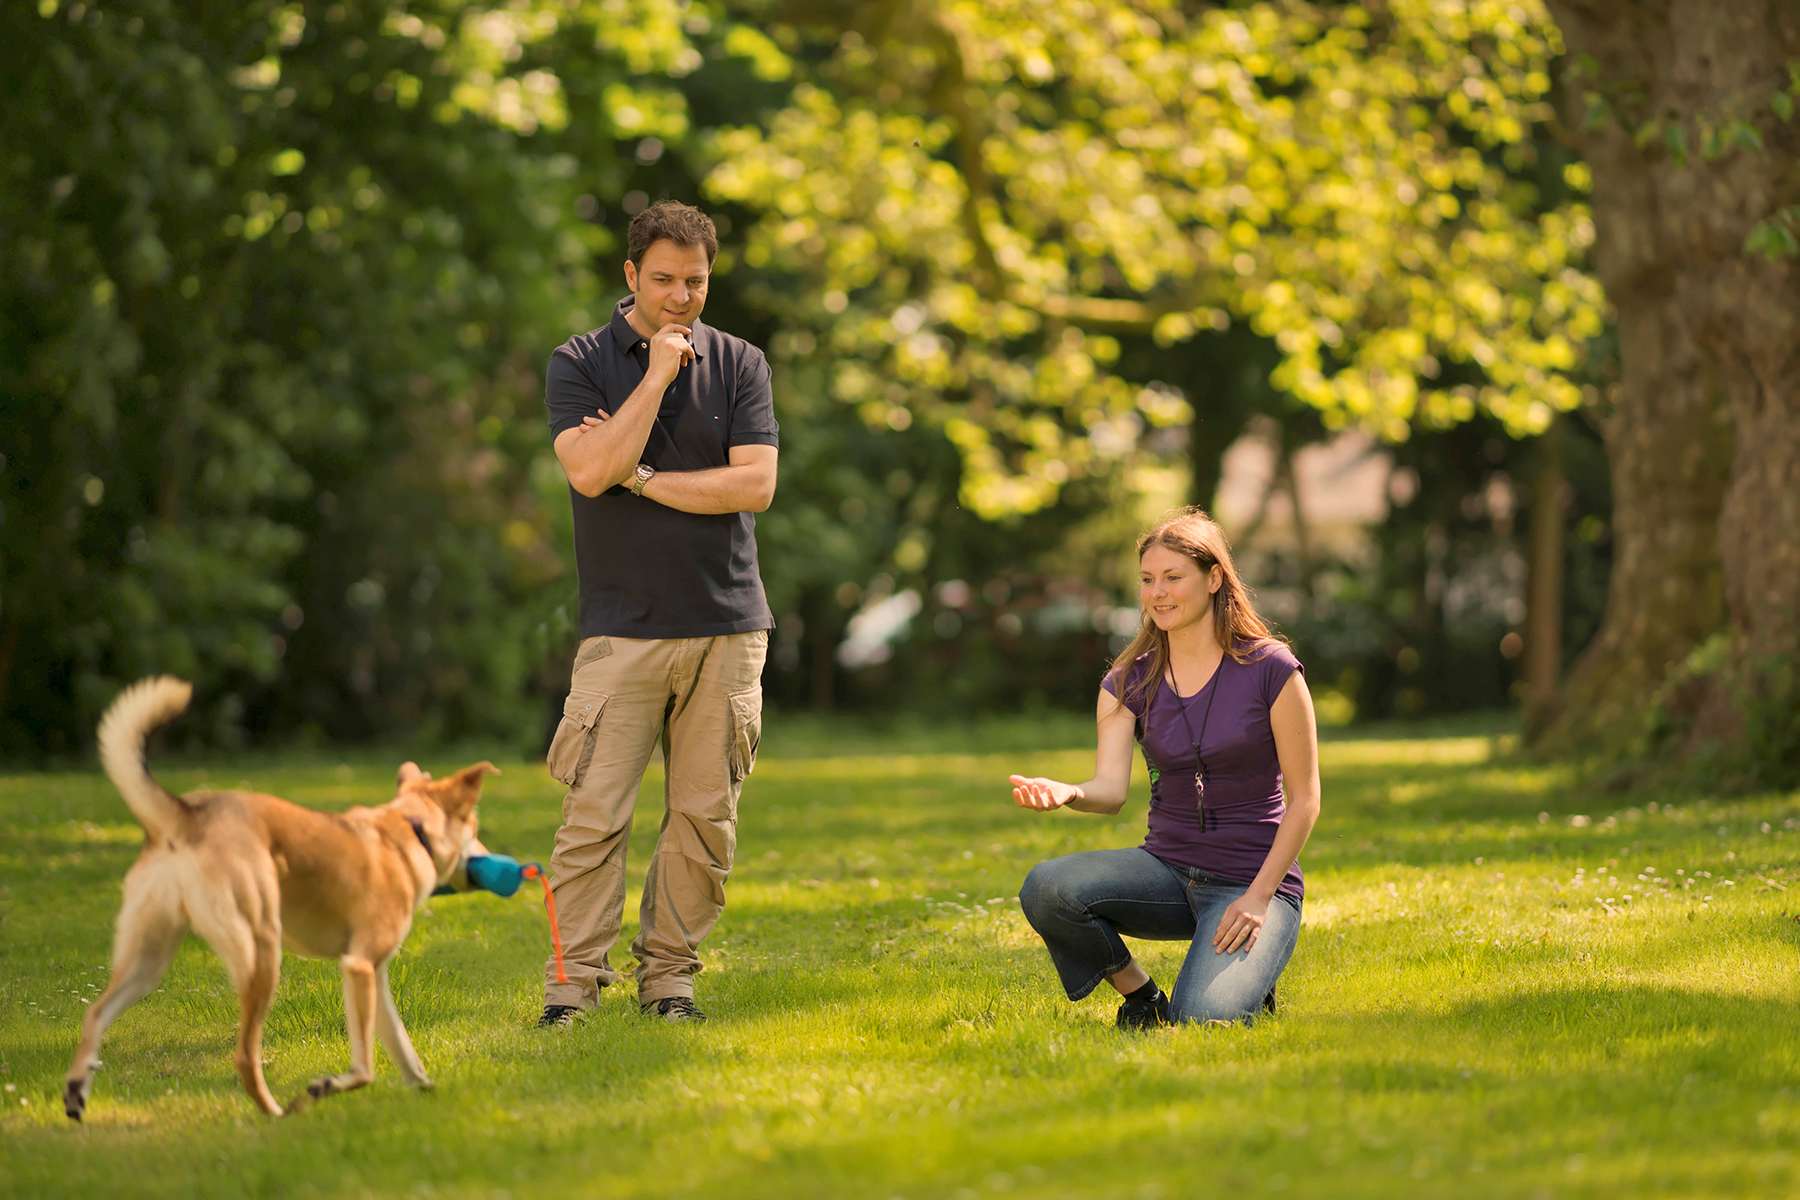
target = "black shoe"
x: 558, y: 1016
x: 673, y: 1008
x: 1145, y: 1014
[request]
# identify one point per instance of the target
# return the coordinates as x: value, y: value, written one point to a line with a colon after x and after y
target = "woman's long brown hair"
x: 1192, y: 534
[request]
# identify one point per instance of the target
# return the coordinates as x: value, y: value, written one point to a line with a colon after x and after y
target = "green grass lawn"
x: 1505, y: 985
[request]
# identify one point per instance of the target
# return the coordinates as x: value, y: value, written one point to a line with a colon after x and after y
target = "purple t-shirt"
x: 1231, y: 834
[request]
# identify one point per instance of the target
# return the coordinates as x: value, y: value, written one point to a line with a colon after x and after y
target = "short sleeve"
x: 753, y: 405
x: 1275, y: 664
x: 569, y: 394
x: 1135, y: 701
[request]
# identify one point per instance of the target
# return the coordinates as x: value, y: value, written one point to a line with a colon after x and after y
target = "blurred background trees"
x: 281, y: 280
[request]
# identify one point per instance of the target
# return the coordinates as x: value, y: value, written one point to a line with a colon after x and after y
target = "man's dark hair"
x: 680, y: 223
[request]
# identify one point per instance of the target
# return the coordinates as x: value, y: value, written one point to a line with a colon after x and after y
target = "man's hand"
x: 700, y: 491
x: 670, y: 351
x: 597, y: 454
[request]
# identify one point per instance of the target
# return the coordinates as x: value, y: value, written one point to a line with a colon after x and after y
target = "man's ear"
x: 457, y: 795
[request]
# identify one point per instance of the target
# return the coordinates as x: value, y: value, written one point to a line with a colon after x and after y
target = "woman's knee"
x: 1215, y: 1004
x: 1041, y: 895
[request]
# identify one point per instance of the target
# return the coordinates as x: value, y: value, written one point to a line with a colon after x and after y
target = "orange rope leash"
x: 533, y: 871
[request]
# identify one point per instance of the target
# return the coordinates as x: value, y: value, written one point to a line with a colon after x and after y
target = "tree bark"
x: 1702, y: 434
x: 1544, y: 580
x: 1214, y: 429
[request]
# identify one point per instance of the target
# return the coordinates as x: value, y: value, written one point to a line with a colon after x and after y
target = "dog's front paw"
x: 321, y: 1087
x: 423, y: 1083
x: 75, y: 1098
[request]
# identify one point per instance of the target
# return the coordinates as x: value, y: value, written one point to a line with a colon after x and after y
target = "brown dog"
x: 251, y: 873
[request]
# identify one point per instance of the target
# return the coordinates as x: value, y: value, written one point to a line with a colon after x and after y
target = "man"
x: 666, y: 430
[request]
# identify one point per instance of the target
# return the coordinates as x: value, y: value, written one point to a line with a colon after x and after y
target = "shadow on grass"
x: 1608, y: 1060
x: 953, y: 1046
x: 899, y: 1034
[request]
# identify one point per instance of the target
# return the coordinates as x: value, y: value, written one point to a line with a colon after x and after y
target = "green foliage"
x: 1771, y: 704
x: 1776, y: 236
x: 1764, y: 694
x: 285, y: 277
x: 1497, y: 981
x: 980, y: 201
x: 1729, y: 126
x: 282, y: 283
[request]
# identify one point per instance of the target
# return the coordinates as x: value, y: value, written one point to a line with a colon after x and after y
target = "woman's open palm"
x: 1042, y: 794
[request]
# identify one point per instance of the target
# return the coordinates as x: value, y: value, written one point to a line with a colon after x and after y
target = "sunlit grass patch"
x: 1506, y: 984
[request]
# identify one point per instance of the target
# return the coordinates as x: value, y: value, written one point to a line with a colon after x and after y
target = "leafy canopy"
x: 981, y: 199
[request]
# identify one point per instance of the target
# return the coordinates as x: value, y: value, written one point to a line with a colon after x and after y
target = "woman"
x: 1222, y: 711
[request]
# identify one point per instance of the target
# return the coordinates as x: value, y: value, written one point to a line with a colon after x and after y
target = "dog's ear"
x: 457, y: 795
x: 410, y: 771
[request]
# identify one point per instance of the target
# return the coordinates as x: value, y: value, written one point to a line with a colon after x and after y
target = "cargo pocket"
x: 572, y: 749
x: 591, y: 650
x: 746, y: 731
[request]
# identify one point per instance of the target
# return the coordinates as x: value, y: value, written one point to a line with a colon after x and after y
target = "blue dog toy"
x: 496, y: 873
x: 502, y: 874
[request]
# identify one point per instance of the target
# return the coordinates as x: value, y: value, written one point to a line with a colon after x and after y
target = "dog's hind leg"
x: 253, y: 959
x: 359, y: 1018
x: 256, y: 993
x: 393, y: 1033
x: 149, y: 929
x: 243, y: 926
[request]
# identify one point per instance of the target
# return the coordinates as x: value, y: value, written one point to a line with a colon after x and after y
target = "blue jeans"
x: 1085, y: 905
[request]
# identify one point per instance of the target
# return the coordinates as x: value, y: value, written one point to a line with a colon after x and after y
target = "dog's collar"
x: 419, y: 832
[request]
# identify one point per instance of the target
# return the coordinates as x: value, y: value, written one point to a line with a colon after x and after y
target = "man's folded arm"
x: 745, y: 484
x: 596, y: 457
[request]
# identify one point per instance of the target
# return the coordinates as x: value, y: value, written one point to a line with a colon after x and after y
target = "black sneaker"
x: 1145, y: 1014
x: 673, y: 1008
x: 558, y: 1016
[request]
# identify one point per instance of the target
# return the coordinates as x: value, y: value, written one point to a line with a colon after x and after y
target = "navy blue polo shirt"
x: 647, y: 571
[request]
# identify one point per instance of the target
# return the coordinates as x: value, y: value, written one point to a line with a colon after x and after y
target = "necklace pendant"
x: 1199, y: 784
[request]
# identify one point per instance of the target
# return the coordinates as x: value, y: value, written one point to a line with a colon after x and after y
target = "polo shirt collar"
x: 626, y: 337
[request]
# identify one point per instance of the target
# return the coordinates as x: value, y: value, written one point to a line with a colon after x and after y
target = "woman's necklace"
x: 1205, y: 715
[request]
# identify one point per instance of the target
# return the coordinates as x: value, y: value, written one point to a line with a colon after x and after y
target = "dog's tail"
x: 139, y: 709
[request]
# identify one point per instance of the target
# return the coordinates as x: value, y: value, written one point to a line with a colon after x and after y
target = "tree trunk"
x: 1544, y: 581
x: 1307, y: 565
x: 1702, y: 435
x: 1212, y: 433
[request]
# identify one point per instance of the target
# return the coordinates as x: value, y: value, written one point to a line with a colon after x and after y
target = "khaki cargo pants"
x: 702, y: 697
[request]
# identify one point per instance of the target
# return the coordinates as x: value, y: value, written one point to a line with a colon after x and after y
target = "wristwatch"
x: 638, y: 480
